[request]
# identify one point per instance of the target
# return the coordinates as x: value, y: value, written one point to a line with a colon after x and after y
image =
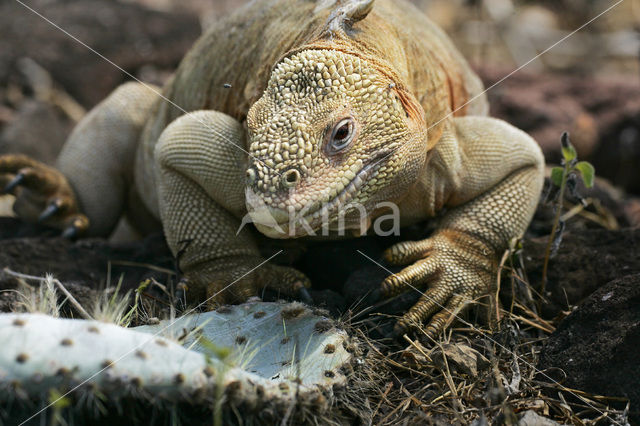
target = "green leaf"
x: 219, y: 352
x: 587, y: 172
x: 557, y: 175
x: 143, y: 286
x: 569, y: 153
x: 58, y: 399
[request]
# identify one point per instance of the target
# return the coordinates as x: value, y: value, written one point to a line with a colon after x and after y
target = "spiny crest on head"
x: 320, y: 75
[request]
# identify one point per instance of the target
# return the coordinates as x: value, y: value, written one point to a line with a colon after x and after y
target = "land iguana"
x: 301, y: 107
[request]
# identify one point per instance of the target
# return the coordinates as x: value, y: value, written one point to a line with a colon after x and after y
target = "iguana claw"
x: 53, y: 208
x: 79, y: 224
x: 304, y: 295
x: 17, y: 180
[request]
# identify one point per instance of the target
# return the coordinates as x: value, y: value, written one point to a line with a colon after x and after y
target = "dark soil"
x: 596, y: 347
x: 83, y: 266
x: 585, y: 262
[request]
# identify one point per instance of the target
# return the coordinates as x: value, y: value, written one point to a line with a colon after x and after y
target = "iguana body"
x: 303, y: 105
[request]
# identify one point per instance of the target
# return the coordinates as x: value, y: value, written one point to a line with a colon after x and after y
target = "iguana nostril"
x: 251, y: 176
x: 290, y: 178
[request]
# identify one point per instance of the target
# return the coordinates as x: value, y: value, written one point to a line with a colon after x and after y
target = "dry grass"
x: 412, y: 389
x: 414, y: 383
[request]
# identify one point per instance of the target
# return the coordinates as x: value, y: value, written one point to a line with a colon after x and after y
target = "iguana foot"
x: 457, y: 269
x: 42, y: 193
x: 237, y: 279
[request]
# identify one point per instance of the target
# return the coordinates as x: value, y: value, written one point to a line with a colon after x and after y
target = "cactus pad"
x: 255, y: 353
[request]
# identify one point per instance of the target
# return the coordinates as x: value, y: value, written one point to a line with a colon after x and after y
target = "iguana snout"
x: 329, y: 134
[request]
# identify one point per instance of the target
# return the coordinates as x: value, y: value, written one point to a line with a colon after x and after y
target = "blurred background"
x: 589, y: 84
x: 509, y: 32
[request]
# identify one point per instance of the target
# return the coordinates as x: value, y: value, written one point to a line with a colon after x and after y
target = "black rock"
x: 597, y: 345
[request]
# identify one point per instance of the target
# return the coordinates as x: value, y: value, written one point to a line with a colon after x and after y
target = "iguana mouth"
x: 277, y: 223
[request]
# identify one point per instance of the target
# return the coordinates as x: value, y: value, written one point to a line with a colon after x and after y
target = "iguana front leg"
x: 201, y: 163
x: 493, y: 174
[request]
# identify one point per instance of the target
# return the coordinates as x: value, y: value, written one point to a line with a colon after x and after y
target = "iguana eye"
x: 342, y: 135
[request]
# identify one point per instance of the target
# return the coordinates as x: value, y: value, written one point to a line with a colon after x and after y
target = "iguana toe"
x: 437, y: 316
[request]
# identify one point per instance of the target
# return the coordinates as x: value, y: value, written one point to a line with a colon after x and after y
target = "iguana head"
x: 331, y: 136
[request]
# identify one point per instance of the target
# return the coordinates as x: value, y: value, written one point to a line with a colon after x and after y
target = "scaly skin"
x: 329, y: 104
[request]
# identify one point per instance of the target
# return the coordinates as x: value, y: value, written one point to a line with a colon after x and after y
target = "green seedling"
x: 58, y: 403
x: 561, y: 177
